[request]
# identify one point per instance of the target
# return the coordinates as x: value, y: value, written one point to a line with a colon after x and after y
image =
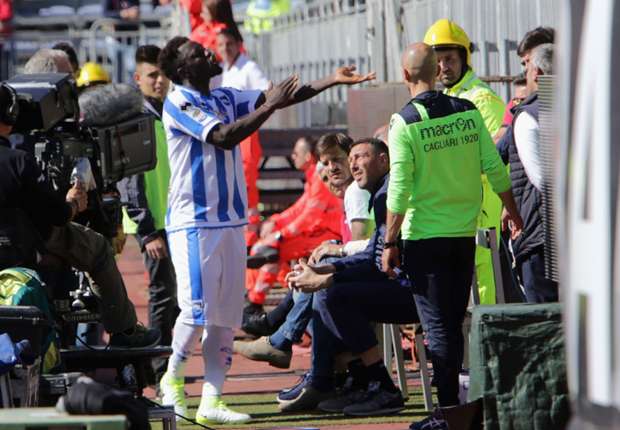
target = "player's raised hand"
x: 346, y: 75
x: 281, y: 94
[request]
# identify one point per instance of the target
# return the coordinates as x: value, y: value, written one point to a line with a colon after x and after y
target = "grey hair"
x: 48, y: 61
x: 542, y: 57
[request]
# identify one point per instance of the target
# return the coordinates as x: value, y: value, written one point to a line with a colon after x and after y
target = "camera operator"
x: 22, y: 187
x: 58, y: 61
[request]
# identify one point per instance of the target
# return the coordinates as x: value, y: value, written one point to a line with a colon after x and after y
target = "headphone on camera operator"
x: 10, y: 112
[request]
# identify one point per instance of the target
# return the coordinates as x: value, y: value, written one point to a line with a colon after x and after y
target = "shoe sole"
x: 271, y: 362
x: 287, y: 406
x: 279, y: 400
x: 384, y: 411
x: 280, y: 365
x: 207, y: 422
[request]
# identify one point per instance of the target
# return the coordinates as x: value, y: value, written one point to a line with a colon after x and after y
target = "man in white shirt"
x: 208, y: 210
x: 527, y: 184
x: 334, y: 150
x: 238, y: 71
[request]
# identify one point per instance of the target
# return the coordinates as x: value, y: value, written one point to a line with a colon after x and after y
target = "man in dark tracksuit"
x: 356, y: 292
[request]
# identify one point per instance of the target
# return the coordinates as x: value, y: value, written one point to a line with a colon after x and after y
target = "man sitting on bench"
x: 352, y: 292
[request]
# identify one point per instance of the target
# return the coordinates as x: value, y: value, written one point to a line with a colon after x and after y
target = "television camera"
x: 98, y: 139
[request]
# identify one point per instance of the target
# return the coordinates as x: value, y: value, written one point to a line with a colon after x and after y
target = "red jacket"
x: 206, y: 34
x: 6, y: 10
x: 315, y: 211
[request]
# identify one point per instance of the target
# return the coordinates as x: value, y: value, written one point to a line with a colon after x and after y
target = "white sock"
x: 184, y: 338
x: 217, y: 351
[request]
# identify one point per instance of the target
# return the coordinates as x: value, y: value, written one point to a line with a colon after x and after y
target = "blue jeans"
x: 298, y: 317
x: 325, y: 346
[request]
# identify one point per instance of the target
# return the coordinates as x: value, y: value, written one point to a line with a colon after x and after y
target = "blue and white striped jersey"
x: 207, y: 184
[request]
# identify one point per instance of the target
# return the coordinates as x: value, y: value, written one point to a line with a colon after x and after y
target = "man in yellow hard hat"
x: 453, y: 49
x: 92, y: 74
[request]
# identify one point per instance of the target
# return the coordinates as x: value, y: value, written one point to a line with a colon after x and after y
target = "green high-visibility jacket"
x: 436, y: 164
x: 492, y: 108
x: 490, y: 105
x: 147, y: 194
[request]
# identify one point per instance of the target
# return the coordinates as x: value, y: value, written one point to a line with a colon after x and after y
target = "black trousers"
x: 441, y: 271
x: 163, y: 308
x: 364, y: 298
x: 531, y: 270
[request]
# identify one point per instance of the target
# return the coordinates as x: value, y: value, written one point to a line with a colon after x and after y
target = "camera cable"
x: 157, y: 405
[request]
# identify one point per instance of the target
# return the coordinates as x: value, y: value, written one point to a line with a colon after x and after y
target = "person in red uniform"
x: 207, y: 18
x: 294, y: 233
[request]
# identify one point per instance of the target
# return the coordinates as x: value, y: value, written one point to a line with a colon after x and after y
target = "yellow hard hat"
x: 446, y: 33
x: 92, y: 73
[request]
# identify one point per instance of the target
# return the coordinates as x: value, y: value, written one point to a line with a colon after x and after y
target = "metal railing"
x: 313, y: 39
x: 102, y: 40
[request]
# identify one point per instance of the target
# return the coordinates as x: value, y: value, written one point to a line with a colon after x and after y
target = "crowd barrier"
x: 108, y: 41
x: 314, y: 39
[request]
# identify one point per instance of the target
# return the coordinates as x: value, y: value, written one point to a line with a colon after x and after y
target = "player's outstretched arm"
x: 226, y: 136
x: 342, y: 76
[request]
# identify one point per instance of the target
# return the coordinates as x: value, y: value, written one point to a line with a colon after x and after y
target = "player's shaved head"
x: 420, y: 62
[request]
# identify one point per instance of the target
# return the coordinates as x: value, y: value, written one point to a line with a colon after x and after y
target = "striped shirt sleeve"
x: 244, y: 102
x: 189, y: 119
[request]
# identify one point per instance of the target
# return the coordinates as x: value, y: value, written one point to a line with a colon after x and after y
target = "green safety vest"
x: 490, y: 105
x: 435, y: 173
x: 156, y: 183
x: 260, y: 14
x: 492, y: 108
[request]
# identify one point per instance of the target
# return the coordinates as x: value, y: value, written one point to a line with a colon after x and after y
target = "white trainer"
x: 213, y: 410
x: 173, y: 394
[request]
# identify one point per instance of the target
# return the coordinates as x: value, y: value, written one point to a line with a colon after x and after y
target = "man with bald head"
x: 439, y: 146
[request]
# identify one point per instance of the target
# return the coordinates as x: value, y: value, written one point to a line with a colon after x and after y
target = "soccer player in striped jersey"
x: 208, y: 209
